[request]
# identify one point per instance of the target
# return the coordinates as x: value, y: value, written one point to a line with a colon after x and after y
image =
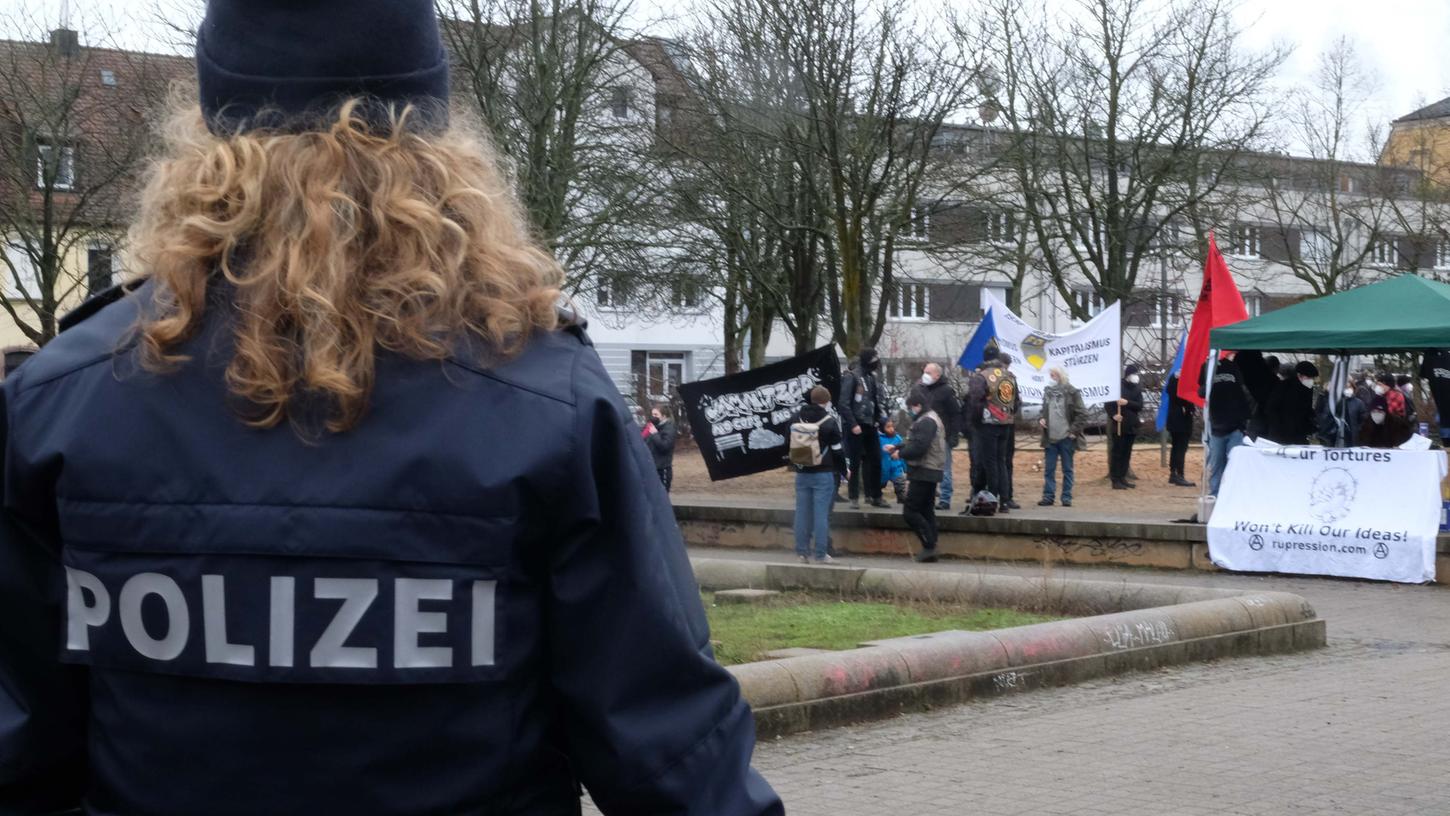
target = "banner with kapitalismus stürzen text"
x: 1092, y: 355
x: 1356, y: 512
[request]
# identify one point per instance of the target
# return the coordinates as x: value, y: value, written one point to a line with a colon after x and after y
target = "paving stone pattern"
x: 1361, y: 727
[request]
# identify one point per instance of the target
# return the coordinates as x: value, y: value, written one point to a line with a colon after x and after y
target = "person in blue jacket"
x: 330, y: 514
x: 893, y: 471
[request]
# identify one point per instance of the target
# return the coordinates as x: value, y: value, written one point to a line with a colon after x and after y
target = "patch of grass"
x: 745, y: 632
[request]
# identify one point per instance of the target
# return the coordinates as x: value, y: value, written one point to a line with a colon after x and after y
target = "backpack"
x: 805, y: 443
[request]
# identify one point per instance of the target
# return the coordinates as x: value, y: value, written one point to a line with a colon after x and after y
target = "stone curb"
x: 1145, y: 626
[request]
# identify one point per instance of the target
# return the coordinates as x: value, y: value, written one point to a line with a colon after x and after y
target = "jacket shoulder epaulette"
x: 571, y: 322
x: 97, y: 302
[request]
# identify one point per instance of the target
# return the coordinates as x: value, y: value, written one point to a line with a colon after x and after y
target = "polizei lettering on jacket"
x: 282, y: 626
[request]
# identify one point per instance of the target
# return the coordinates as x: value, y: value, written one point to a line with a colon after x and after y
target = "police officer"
x: 329, y: 516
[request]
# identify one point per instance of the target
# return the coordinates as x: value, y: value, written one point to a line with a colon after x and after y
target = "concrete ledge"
x: 1001, y: 538
x: 1130, y: 627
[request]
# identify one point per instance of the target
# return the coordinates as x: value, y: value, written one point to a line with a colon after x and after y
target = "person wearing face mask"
x: 1353, y: 411
x: 1385, y: 386
x: 661, y: 443
x: 1289, y: 410
x: 937, y: 394
x: 863, y: 412
x: 925, y: 455
x: 991, y: 406
x: 1063, y: 416
x: 1384, y: 428
x: 1125, y: 417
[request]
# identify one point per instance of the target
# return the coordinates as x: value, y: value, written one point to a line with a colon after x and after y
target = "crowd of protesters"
x: 859, y: 442
x: 1253, y: 396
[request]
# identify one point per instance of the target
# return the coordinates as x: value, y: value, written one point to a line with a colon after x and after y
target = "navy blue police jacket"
x: 464, y: 605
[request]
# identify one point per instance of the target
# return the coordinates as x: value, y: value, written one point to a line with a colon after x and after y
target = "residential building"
x: 1421, y: 140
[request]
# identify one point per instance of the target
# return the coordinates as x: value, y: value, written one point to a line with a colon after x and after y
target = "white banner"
x: 1357, y: 512
x: 1092, y: 355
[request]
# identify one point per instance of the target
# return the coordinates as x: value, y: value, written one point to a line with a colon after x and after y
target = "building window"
x: 918, y: 223
x: 1442, y: 255
x: 1090, y: 301
x: 664, y: 371
x: 909, y: 301
x: 685, y: 294
x: 1254, y: 305
x: 108, y: 78
x: 1000, y: 228
x: 57, y: 164
x: 1315, y: 247
x: 613, y: 292
x: 99, y: 269
x: 1167, y: 312
x: 1246, y: 241
x: 619, y: 103
x: 1382, y: 252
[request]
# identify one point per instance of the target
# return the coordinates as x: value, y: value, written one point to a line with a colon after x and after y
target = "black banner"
x: 742, y: 422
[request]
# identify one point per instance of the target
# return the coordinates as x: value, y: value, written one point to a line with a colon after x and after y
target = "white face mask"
x: 1348, y: 392
x: 1308, y: 382
x: 1133, y: 378
x: 1380, y: 389
x: 927, y: 379
x: 1378, y: 417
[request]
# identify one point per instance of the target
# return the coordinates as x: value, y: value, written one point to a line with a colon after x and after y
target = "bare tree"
x: 1333, y: 214
x: 572, y: 108
x: 1127, y: 120
x: 74, y: 134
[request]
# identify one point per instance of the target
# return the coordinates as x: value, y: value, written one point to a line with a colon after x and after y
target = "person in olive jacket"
x: 1125, y: 416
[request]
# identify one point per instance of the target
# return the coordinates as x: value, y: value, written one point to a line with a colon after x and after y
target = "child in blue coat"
x: 893, y: 471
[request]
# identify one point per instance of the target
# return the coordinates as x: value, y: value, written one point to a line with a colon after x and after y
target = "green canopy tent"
x: 1405, y: 313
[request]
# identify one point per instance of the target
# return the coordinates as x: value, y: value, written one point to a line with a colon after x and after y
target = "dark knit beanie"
x: 1306, y: 369
x: 1131, y: 370
x: 286, y: 64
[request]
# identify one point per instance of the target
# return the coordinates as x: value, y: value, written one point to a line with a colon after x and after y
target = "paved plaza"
x: 1357, y: 728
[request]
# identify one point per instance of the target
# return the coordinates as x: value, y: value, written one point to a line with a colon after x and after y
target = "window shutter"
x: 954, y: 303
x: 1279, y: 244
x: 957, y: 224
x: 1138, y: 310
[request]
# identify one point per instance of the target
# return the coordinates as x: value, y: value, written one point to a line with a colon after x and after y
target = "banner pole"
x: 1208, y: 369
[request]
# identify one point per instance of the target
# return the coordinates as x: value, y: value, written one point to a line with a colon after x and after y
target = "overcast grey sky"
x: 1405, y: 44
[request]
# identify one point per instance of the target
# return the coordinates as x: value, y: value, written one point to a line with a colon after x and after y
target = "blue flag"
x: 974, y: 352
x: 1165, y: 399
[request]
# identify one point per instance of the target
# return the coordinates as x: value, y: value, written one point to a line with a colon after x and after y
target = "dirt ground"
x: 1153, y: 496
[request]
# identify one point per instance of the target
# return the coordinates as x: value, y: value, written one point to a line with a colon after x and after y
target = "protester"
x: 1435, y: 369
x: 1406, y: 386
x: 1260, y: 378
x: 661, y: 443
x: 1289, y: 412
x: 815, y: 448
x: 1228, y: 414
x: 1386, y: 387
x: 863, y: 409
x: 1009, y: 448
x: 925, y: 454
x: 893, y: 470
x: 1063, y: 417
x: 992, y: 402
x: 1180, y: 431
x: 1352, y: 413
x: 1125, y: 417
x: 938, y: 395
x: 1384, y: 428
x: 334, y: 513
x: 971, y: 422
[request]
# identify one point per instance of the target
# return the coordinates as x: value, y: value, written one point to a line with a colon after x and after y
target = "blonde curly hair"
x: 335, y: 244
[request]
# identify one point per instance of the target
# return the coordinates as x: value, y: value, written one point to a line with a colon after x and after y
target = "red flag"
x: 1219, y: 304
